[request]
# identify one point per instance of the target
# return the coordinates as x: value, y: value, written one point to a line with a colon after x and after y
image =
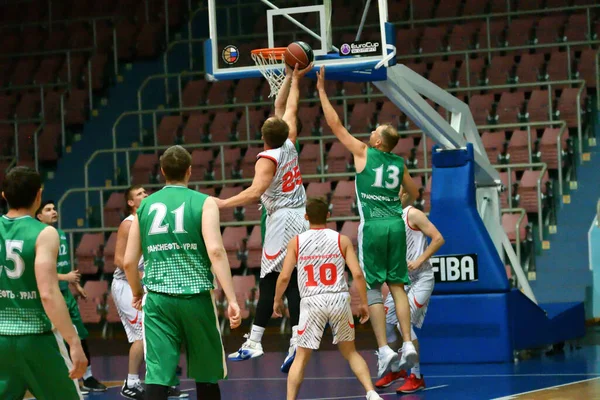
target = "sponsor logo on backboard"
x: 455, y: 268
x: 360, y: 48
x: 230, y: 54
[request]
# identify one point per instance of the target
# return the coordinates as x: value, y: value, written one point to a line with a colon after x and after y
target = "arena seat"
x: 318, y: 189
x: 504, y: 177
x: 361, y: 118
x: 586, y: 66
x: 549, y: 146
x: 77, y: 107
x: 194, y: 94
x: 167, y: 129
x: 474, y: 7
x: 518, y: 147
x: 254, y: 247
x: 229, y: 160
x: 500, y: 71
x: 442, y: 74
x: 493, y: 142
x: 223, y: 127
x: 112, y: 314
x: 509, y: 224
x: 344, y: 199
x: 557, y: 68
x: 244, y: 287
x: 350, y: 229
x: 537, y: 107
x: 96, y: 290
x: 481, y: 107
x: 550, y: 29
x: 109, y: 254
x: 227, y: 214
x: 476, y: 76
x: 529, y: 69
x: 246, y: 91
x: 86, y: 252
x: 567, y: 106
x: 510, y: 107
x: 232, y: 241
x: 528, y: 189
x: 520, y: 32
x: 28, y: 106
x: 48, y: 143
x: 195, y: 127
x: 337, y: 158
x: 88, y: 308
x: 113, y: 209
x: 142, y: 167
x: 256, y: 119
x: 219, y: 93
x: 576, y: 28
x: 309, y: 161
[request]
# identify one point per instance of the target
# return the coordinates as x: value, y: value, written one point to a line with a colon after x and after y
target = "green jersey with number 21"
x: 378, y: 186
x: 175, y: 257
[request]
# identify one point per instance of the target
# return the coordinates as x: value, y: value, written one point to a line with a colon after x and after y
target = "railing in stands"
x: 16, y: 123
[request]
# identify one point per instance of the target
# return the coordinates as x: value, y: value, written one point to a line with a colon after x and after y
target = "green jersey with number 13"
x: 175, y: 257
x: 378, y: 186
x: 21, y: 310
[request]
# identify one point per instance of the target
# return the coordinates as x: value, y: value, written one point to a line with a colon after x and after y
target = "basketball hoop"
x: 271, y: 65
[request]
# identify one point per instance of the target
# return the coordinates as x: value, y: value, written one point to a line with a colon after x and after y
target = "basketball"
x: 298, y: 53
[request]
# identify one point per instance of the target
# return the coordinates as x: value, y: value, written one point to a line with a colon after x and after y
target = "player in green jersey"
x: 48, y: 214
x: 33, y: 354
x: 380, y: 175
x: 178, y: 232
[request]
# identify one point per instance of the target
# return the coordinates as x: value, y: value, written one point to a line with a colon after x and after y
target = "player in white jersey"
x: 278, y: 184
x: 321, y: 255
x: 121, y: 292
x: 418, y: 252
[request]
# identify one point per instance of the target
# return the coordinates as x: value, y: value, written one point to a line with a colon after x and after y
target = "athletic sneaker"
x: 83, y: 391
x: 93, y: 385
x: 250, y: 349
x: 291, y: 355
x: 408, y: 356
x: 412, y: 384
x: 135, y: 392
x: 390, y: 378
x: 385, y: 361
x: 175, y: 393
x: 372, y: 395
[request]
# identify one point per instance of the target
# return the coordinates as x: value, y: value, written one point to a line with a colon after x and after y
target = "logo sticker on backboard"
x: 230, y: 54
x: 367, y: 48
x: 455, y: 268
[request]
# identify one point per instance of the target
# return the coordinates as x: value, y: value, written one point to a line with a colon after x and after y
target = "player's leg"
x: 296, y: 374
x: 162, y: 341
x: 199, y: 325
x: 393, y: 339
x: 89, y: 381
x: 132, y: 323
x: 371, y: 255
x: 292, y: 294
x: 359, y: 367
x: 415, y: 381
x: 397, y: 279
x: 46, y: 366
x: 12, y: 382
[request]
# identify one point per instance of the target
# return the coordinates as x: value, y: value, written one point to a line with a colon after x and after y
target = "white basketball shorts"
x: 419, y: 293
x: 130, y: 317
x: 281, y: 227
x: 319, y: 310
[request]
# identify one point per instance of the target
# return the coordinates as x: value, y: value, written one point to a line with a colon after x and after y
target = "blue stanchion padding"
x: 454, y: 213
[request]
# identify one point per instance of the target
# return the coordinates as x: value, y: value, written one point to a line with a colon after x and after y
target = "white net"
x: 272, y: 68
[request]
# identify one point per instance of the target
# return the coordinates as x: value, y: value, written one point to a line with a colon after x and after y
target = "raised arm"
x: 211, y: 233
x: 357, y: 275
x: 418, y: 220
x: 133, y: 252
x: 409, y: 186
x: 121, y: 245
x: 355, y: 146
x: 289, y: 263
x: 291, y: 109
x: 282, y: 96
x: 46, y: 253
x: 264, y: 172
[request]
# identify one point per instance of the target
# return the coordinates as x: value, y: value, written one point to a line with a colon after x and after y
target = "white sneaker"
x: 250, y: 349
x: 291, y: 355
x: 385, y: 361
x: 408, y: 357
x: 372, y: 395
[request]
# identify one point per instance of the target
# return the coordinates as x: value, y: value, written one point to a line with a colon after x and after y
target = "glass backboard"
x: 342, y: 34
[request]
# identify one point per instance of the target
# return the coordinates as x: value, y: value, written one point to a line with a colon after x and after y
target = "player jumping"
x: 380, y: 174
x: 33, y: 354
x: 48, y: 215
x: 278, y: 184
x: 418, y: 229
x: 321, y: 255
x: 178, y: 232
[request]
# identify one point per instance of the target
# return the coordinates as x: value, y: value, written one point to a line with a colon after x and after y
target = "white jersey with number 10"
x: 321, y: 263
x: 286, y: 190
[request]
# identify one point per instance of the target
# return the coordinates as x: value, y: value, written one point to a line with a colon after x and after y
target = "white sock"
x: 256, y: 333
x: 416, y: 369
x: 385, y: 349
x: 88, y: 372
x: 132, y: 379
x: 371, y: 394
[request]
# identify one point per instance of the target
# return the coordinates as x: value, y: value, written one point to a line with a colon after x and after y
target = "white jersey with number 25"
x: 286, y: 190
x: 321, y: 263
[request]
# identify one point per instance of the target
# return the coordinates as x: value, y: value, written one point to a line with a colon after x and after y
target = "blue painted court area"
x: 329, y: 377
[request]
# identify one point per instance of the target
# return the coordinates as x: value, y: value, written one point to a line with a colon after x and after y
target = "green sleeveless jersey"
x: 21, y: 310
x: 63, y: 264
x: 378, y: 186
x: 175, y: 257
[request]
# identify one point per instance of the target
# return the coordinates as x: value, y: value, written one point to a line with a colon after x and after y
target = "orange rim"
x: 276, y: 52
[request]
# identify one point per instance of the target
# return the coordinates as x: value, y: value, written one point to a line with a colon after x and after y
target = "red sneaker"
x: 412, y: 384
x: 390, y: 378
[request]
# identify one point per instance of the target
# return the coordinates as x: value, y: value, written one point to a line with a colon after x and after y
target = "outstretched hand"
x: 321, y: 78
x: 299, y: 73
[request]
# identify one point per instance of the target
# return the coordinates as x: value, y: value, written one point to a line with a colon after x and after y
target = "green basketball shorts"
x: 382, y: 251
x: 73, y: 308
x: 38, y: 363
x: 172, y: 321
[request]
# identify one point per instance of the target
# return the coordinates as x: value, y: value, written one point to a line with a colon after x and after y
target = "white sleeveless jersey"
x: 320, y: 263
x: 416, y: 243
x: 286, y: 190
x: 119, y: 273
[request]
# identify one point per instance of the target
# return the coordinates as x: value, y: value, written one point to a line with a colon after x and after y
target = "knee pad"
x: 374, y: 296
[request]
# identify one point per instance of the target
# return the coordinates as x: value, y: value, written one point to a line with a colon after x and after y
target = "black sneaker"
x: 175, y: 393
x: 135, y: 392
x: 93, y: 385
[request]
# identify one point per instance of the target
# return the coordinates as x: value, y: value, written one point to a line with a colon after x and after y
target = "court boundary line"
x: 380, y: 394
x: 513, y: 396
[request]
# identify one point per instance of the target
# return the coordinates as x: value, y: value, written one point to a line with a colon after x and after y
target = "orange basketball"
x: 298, y: 53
